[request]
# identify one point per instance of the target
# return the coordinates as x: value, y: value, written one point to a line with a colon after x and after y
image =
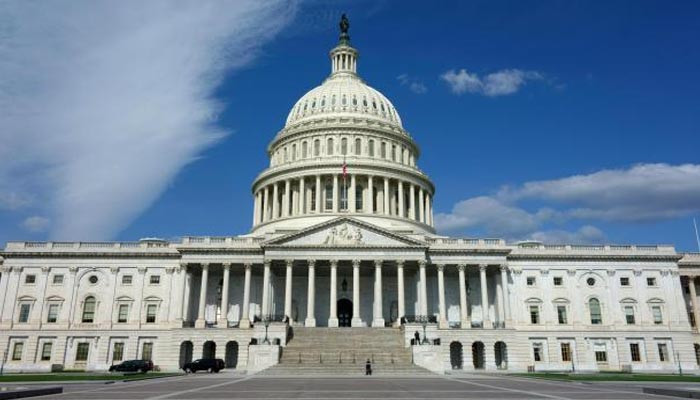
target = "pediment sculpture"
x: 344, y: 236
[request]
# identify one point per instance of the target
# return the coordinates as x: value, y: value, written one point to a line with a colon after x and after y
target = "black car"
x: 133, y: 366
x: 204, y: 364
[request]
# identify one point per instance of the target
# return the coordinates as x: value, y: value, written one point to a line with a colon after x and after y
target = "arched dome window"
x: 89, y: 310
x: 323, y: 101
x: 304, y: 150
x: 364, y: 101
x: 333, y: 100
x: 285, y: 155
x: 317, y: 148
x: 594, y: 309
x: 305, y: 106
x: 383, y: 151
x: 354, y: 100
x: 345, y: 101
x: 294, y: 152
x: 329, y: 147
x: 344, y: 146
x: 393, y: 152
x: 374, y: 104
x: 358, y: 146
x: 371, y: 148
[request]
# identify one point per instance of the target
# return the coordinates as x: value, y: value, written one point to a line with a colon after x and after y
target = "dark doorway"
x: 456, y: 355
x: 209, y: 350
x: 185, y: 352
x: 501, y: 354
x: 344, y: 312
x: 231, y: 354
x: 478, y: 355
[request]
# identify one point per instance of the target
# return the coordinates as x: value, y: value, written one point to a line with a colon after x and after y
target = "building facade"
x: 343, y: 236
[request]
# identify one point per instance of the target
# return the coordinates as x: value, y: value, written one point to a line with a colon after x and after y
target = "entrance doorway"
x: 344, y: 312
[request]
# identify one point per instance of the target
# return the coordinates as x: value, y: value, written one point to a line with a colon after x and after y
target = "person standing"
x: 368, y: 367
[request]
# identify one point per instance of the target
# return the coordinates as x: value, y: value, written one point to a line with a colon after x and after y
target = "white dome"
x: 343, y: 95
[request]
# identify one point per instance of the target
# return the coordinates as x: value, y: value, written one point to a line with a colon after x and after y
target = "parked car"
x: 204, y: 364
x: 133, y: 366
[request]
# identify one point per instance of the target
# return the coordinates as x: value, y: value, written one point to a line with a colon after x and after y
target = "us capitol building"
x: 343, y: 264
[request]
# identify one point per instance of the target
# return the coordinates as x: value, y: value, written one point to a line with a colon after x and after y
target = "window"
x: 89, y: 310
x: 594, y: 309
x: 93, y: 279
x: 601, y: 356
x: 344, y: 146
x: 534, y: 314
x: 590, y: 281
x: 127, y: 279
x: 151, y: 313
x: 656, y: 312
x: 635, y: 355
x: 24, y: 312
x: 147, y: 351
x: 358, y: 198
x: 46, y: 351
x: 118, y: 352
x: 561, y: 314
x: 344, y: 198
x: 17, y: 351
x: 52, y: 315
x: 663, y: 352
x: 81, y: 354
x: 558, y: 280
x: 537, y: 352
x: 30, y: 279
x: 154, y: 280
x: 329, y: 147
x: 530, y: 280
x: 329, y: 197
x: 358, y: 146
x: 58, y: 279
x: 313, y: 199
x: 651, y: 281
x: 393, y: 152
x: 624, y: 281
x: 566, y: 352
x: 304, y: 150
x: 371, y: 148
x: 383, y: 150
x: 123, y: 313
x: 629, y: 315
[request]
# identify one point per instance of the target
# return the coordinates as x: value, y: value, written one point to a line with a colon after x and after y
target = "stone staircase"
x: 344, y: 351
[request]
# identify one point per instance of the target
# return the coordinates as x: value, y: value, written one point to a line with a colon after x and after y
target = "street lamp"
x: 423, y: 319
x: 266, y: 321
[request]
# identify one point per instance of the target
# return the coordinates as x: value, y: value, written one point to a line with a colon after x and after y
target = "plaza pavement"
x: 233, y: 386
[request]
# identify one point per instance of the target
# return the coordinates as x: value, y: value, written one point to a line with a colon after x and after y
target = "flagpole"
x: 697, y: 238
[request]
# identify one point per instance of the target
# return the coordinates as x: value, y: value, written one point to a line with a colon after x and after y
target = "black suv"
x: 204, y: 364
x: 133, y: 366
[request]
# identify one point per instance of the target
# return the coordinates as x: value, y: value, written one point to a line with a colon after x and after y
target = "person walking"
x: 417, y: 338
x: 368, y: 367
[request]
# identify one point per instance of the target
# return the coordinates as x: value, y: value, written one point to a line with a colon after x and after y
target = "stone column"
x: 202, y: 297
x: 245, y: 318
x: 351, y: 195
x: 504, y: 292
x: 441, y: 296
x: 256, y: 209
x: 311, y: 296
x: 423, y: 288
x: 463, y: 311
x: 401, y: 208
x: 401, y: 292
x: 287, y: 198
x: 335, y: 193
x: 386, y: 197
x: 302, y: 196
x: 223, y: 319
x: 288, y: 291
x: 318, y: 194
x: 266, y: 290
x: 428, y: 208
x: 484, y: 297
x: 356, y: 318
x: 694, y: 301
x: 412, y: 201
x: 421, y: 204
x: 370, y: 191
x: 183, y: 293
x: 378, y: 320
x: 266, y: 205
x: 333, y: 315
x: 275, y: 201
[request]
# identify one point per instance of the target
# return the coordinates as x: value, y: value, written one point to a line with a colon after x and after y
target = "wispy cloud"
x: 500, y: 83
x: 641, y: 193
x: 35, y: 224
x: 413, y: 84
x: 104, y: 102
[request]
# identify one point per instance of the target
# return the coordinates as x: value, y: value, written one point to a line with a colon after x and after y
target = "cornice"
x: 61, y: 254
x: 596, y: 257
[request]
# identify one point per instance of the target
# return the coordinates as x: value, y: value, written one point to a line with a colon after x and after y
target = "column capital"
x: 72, y: 269
x: 225, y: 265
x: 422, y: 263
x: 378, y: 263
x: 205, y: 266
x: 141, y: 269
x: 311, y: 262
x: 503, y: 267
x: 440, y: 267
x: 289, y: 263
x: 482, y: 267
x: 400, y: 263
x: 114, y: 269
x: 334, y: 263
x: 247, y: 265
x: 168, y: 270
x: 183, y: 265
x: 462, y: 267
x: 267, y: 263
x: 356, y: 263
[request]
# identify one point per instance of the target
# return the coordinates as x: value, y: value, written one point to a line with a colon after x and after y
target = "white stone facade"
x: 343, y: 236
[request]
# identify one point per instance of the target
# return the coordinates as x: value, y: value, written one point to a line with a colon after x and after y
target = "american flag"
x: 345, y: 168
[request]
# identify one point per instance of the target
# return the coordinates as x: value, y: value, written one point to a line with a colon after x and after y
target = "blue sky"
x: 555, y: 120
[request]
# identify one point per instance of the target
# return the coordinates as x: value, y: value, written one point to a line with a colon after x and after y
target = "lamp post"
x: 266, y: 321
x: 424, y: 321
x: 680, y: 369
x: 4, y: 360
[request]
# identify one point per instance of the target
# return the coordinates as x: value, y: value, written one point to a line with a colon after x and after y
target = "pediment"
x: 343, y: 233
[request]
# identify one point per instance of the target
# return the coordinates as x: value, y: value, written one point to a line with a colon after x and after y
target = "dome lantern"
x: 344, y: 56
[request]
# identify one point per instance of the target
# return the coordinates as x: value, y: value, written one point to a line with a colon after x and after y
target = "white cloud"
x: 641, y: 193
x: 500, y: 83
x: 104, y: 102
x: 413, y: 84
x: 13, y: 201
x: 36, y: 224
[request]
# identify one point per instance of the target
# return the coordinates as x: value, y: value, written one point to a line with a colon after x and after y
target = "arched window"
x: 358, y: 146
x: 294, y: 152
x: 344, y: 146
x: 594, y: 309
x: 383, y: 151
x: 89, y: 309
x: 329, y: 197
x: 371, y: 148
x: 317, y: 147
x: 393, y: 152
x: 285, y: 154
x: 329, y: 147
x: 304, y: 150
x: 358, y: 197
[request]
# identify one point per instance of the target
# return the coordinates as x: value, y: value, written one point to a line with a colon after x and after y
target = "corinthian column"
x: 351, y: 194
x: 318, y: 208
x: 275, y: 201
x: 401, y: 207
x: 288, y: 291
x: 333, y: 316
x: 370, y: 195
x: 336, y: 199
x: 223, y: 318
x: 302, y: 197
x: 401, y: 292
x: 378, y: 320
x: 504, y: 291
x: 463, y: 312
x: 200, y: 323
x: 441, y: 296
x: 387, y: 211
x: 694, y: 301
x: 412, y: 201
x: 311, y: 296
x: 484, y: 297
x: 423, y: 288
x: 266, y: 290
x: 245, y: 318
x: 287, y: 198
x: 266, y: 205
x: 356, y: 318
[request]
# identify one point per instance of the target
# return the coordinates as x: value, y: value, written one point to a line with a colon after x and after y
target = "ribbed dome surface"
x: 343, y: 95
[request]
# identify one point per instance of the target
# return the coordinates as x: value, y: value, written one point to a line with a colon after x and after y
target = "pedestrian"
x: 368, y: 367
x: 417, y: 338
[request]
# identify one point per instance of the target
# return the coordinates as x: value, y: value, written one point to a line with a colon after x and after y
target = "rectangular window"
x: 624, y: 281
x: 58, y: 279
x: 30, y: 279
x: 558, y: 280
x: 383, y: 154
x: 534, y: 315
x: 531, y: 281
x: 329, y: 197
x: 46, y: 351
x: 371, y: 148
x: 658, y: 317
x: 118, y: 352
x: 304, y: 150
x: 663, y: 352
x: 358, y: 146
x: 561, y: 314
x: 147, y: 351
x: 344, y: 146
x: 629, y: 315
x: 537, y: 352
x: 123, y: 314
x: 635, y: 355
x: 52, y: 315
x: 566, y: 352
x: 24, y: 312
x: 313, y: 199
x: 601, y: 356
x: 154, y: 280
x: 83, y: 351
x: 151, y: 313
x: 651, y: 281
x: 17, y: 351
x: 127, y: 279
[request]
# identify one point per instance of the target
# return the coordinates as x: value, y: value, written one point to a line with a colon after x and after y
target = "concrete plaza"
x: 232, y: 386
